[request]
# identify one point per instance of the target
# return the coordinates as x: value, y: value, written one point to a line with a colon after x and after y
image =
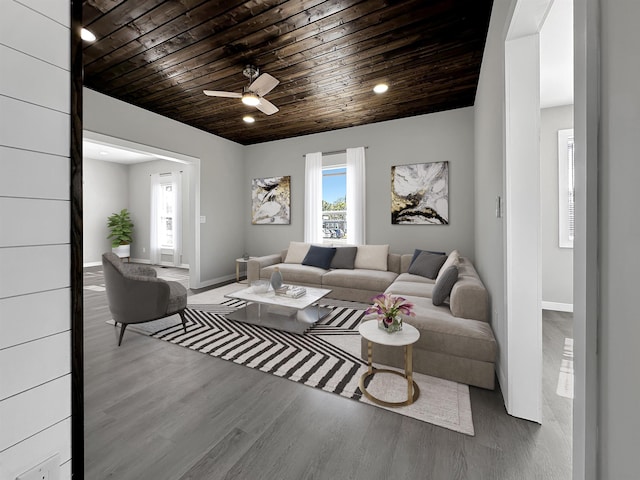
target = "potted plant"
x: 121, y: 227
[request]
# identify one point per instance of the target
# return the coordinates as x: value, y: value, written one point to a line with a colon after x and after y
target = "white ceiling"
x: 109, y: 153
x: 556, y: 56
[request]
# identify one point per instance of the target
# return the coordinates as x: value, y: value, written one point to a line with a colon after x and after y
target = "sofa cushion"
x: 410, y: 277
x: 418, y: 251
x: 372, y: 280
x: 452, y: 259
x: 296, y: 252
x: 345, y: 257
x: 444, y: 333
x: 427, y: 264
x: 444, y: 285
x: 295, y: 273
x: 372, y: 257
x: 417, y: 289
x: 319, y: 256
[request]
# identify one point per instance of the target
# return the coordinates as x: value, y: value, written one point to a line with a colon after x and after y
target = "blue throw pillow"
x: 319, y: 257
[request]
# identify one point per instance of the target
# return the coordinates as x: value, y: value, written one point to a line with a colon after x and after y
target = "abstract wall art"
x: 271, y: 201
x: 420, y: 194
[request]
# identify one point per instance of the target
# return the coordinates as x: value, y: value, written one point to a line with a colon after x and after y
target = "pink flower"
x: 389, y: 306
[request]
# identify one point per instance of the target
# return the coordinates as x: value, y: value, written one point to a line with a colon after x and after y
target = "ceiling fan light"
x: 250, y: 98
x: 381, y: 88
x: 248, y: 119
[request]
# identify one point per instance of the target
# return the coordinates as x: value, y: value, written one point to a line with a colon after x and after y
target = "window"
x: 353, y: 216
x: 566, y: 187
x: 166, y: 211
x: 334, y: 204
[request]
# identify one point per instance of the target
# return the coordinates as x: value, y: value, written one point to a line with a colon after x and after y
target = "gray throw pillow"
x: 418, y: 251
x: 345, y: 257
x: 427, y: 264
x: 444, y: 285
x: 319, y: 257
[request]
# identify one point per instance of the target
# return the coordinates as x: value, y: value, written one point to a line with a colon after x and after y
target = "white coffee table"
x: 269, y: 310
x: 404, y: 338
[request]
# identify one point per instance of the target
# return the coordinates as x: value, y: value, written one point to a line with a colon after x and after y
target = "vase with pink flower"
x: 390, y: 310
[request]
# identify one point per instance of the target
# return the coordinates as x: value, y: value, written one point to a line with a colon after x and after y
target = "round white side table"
x: 404, y: 338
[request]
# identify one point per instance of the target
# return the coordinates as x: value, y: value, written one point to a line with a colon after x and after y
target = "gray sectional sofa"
x: 456, y: 341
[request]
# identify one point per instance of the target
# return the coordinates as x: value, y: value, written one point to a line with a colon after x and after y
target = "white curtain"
x: 154, y: 245
x: 356, y: 196
x: 176, y: 183
x: 313, y: 198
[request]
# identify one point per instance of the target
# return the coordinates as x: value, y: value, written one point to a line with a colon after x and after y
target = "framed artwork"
x: 271, y: 201
x: 420, y: 194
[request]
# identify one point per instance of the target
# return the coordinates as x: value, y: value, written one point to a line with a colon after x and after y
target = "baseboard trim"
x: 162, y: 264
x: 91, y: 264
x: 215, y: 281
x: 558, y: 307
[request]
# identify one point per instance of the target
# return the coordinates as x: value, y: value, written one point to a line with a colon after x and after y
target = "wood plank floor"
x: 156, y: 411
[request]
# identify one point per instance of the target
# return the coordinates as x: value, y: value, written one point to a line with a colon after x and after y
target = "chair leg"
x: 184, y: 320
x: 122, y: 329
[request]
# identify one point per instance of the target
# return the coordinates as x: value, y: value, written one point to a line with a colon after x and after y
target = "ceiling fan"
x: 253, y: 93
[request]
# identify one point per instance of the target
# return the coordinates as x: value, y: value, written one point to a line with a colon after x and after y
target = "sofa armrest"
x: 254, y: 265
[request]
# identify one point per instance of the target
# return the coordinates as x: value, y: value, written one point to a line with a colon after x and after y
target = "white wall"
x: 444, y: 136
x: 557, y: 263
x: 619, y: 332
x: 140, y: 201
x: 105, y: 190
x: 221, y: 174
x: 35, y: 340
x: 489, y: 177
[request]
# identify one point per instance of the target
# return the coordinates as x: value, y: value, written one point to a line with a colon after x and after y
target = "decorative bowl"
x: 260, y: 286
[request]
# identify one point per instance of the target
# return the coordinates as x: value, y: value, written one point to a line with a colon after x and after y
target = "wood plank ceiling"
x: 327, y: 54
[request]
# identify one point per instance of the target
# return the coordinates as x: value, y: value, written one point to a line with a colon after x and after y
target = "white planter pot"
x: 123, y: 251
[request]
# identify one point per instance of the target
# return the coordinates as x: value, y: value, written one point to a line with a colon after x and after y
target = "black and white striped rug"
x: 327, y: 356
x: 309, y: 358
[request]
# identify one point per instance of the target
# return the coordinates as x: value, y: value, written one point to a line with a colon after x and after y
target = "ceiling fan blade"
x: 265, y: 106
x: 263, y: 84
x: 214, y: 93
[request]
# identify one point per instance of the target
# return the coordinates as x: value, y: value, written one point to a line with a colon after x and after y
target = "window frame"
x: 566, y: 187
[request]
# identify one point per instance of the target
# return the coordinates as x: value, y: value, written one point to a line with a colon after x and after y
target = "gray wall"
x: 105, y: 190
x: 489, y: 177
x: 140, y: 206
x: 222, y: 202
x: 557, y: 263
x: 427, y: 138
x: 619, y: 332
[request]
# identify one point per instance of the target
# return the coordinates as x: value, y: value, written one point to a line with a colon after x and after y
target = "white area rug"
x: 326, y: 357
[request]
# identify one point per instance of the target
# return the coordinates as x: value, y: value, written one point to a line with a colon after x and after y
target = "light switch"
x: 203, y: 219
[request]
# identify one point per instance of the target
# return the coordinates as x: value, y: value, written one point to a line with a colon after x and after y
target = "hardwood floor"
x: 156, y: 411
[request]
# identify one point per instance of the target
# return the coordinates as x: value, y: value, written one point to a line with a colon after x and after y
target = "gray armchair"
x: 136, y: 295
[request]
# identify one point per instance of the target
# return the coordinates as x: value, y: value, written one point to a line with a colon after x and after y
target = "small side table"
x: 404, y: 338
x: 240, y: 261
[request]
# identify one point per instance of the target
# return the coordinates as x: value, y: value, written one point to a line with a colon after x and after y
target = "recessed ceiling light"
x: 87, y: 35
x: 381, y: 88
x: 102, y: 152
x: 248, y: 119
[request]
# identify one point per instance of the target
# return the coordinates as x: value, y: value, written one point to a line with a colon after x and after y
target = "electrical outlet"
x: 47, y: 470
x: 144, y: 250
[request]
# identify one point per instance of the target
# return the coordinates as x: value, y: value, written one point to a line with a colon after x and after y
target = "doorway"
x: 142, y: 159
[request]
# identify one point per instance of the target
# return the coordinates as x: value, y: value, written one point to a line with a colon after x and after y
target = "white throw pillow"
x: 452, y: 260
x: 372, y: 257
x: 297, y: 251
